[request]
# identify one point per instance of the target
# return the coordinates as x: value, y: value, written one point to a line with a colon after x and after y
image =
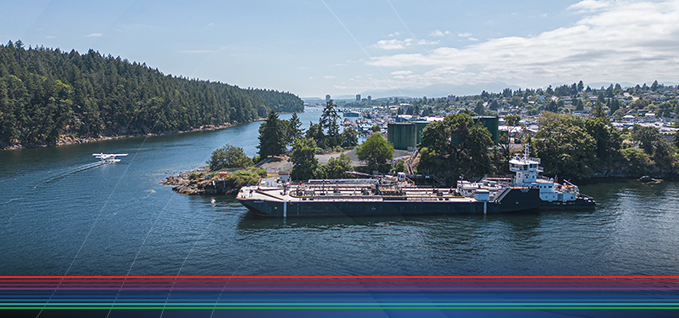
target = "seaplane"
x: 109, y: 157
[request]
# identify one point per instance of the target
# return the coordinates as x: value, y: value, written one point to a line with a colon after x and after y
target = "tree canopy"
x: 47, y: 95
x: 336, y: 168
x: 229, y: 157
x: 349, y: 138
x: 303, y: 159
x: 455, y: 146
x: 375, y: 151
x: 571, y: 146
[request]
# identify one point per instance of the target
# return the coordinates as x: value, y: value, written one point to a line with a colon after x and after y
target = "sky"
x: 345, y: 47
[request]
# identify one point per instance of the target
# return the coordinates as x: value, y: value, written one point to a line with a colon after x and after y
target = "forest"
x: 48, y: 96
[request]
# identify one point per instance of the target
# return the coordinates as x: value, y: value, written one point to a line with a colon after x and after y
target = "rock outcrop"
x: 195, y: 183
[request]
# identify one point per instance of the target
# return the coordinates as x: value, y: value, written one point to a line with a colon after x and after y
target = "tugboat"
x: 553, y: 196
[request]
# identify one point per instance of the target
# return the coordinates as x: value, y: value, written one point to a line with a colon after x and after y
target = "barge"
x: 395, y: 196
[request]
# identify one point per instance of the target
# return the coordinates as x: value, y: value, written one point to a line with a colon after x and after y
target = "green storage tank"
x: 491, y: 123
x: 402, y: 135
x: 420, y: 127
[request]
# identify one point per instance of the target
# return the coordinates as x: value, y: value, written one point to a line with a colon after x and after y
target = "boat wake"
x: 10, y: 200
x: 74, y: 170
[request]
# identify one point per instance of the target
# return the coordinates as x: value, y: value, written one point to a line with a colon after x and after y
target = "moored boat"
x: 388, y: 196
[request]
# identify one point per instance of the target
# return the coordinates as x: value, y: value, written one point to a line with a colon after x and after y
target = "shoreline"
x: 73, y: 141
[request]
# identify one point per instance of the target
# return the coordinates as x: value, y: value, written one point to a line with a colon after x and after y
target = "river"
x: 62, y: 215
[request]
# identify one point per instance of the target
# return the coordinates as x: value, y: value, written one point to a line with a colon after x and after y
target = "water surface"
x: 59, y: 214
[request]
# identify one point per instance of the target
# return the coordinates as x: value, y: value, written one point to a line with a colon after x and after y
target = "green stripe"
x: 477, y: 307
x: 338, y: 300
x: 337, y: 304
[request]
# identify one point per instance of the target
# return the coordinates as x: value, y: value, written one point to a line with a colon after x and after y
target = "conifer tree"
x: 271, y: 137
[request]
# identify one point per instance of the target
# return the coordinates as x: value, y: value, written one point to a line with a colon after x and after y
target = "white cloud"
x: 631, y: 41
x: 396, y: 44
x: 329, y: 76
x: 94, y: 35
x: 472, y: 39
x: 394, y: 34
x: 590, y: 5
x: 464, y: 35
x: 50, y: 36
x: 311, y: 77
x: 439, y: 33
x: 392, y: 44
x: 425, y: 42
x: 401, y: 73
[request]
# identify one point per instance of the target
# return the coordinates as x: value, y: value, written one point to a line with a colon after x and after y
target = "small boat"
x: 109, y: 157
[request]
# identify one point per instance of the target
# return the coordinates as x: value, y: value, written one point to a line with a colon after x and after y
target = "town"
x: 579, y: 132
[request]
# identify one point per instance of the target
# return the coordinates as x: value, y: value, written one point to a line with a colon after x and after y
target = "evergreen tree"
x: 303, y: 159
x: 294, y: 130
x: 613, y: 105
x: 48, y: 96
x: 599, y: 110
x: 552, y: 106
x: 329, y: 123
x: 479, y: 109
x: 315, y: 133
x: 271, y: 137
x: 349, y: 138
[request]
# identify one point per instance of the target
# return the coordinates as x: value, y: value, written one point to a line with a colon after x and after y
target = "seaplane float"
x: 109, y: 157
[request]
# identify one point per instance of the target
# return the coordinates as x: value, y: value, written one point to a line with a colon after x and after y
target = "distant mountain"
x: 313, y: 100
x: 598, y: 85
x: 443, y: 90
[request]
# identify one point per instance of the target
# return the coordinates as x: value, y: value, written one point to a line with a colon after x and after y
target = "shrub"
x: 242, y: 178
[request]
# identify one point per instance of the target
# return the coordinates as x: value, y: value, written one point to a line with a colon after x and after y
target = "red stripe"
x: 170, y: 280
x: 348, y: 277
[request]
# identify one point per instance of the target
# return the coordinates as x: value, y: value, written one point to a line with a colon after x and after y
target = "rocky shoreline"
x: 194, y: 183
x: 66, y: 140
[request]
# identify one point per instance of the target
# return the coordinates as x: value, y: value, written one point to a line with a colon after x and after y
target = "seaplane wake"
x: 104, y: 160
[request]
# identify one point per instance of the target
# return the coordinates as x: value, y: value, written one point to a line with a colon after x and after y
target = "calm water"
x: 59, y: 214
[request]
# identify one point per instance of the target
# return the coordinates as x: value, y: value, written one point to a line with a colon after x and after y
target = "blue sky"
x: 313, y: 48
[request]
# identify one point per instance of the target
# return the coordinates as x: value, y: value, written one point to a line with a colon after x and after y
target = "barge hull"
x: 579, y: 204
x: 516, y: 200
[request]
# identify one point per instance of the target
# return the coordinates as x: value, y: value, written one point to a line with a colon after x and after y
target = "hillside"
x: 48, y: 96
